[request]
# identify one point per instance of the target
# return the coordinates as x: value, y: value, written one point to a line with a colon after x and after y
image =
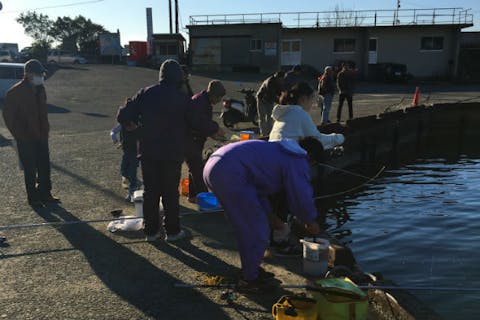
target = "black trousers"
x: 161, y: 179
x: 35, y: 159
x: 341, y: 99
x: 194, y: 160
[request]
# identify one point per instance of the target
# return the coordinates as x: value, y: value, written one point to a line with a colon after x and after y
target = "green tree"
x: 38, y: 27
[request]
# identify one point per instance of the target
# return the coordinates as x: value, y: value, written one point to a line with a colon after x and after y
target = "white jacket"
x: 292, y: 122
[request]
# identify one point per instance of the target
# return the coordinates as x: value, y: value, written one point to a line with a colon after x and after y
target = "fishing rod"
x: 325, y: 290
x: 185, y: 213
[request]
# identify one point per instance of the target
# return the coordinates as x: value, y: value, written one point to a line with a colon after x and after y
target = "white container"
x: 138, y: 200
x: 315, y: 256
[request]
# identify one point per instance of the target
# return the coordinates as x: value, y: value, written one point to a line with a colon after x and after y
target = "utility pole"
x: 170, y: 14
x: 396, y: 19
x: 176, y: 16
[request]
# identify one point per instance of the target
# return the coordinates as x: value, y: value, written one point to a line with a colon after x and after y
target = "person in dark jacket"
x: 162, y: 111
x: 292, y: 77
x: 26, y: 117
x: 345, y: 84
x: 202, y: 103
x: 268, y: 94
x: 326, y: 91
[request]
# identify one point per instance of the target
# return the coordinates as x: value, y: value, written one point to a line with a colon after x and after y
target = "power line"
x: 59, y: 6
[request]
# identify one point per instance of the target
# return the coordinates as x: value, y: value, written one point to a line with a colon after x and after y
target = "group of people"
x: 271, y: 90
x: 164, y: 125
x: 345, y: 83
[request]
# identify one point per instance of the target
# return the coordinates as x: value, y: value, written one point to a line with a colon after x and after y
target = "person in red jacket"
x: 202, y: 104
x: 26, y: 117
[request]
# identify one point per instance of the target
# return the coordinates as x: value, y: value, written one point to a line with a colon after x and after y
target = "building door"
x: 372, y: 51
x: 291, y: 52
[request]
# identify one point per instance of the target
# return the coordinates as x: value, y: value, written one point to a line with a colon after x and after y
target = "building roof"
x: 168, y: 36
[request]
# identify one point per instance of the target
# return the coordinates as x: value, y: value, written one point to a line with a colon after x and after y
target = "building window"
x: 432, y: 43
x: 166, y: 49
x: 255, y: 45
x: 344, y: 45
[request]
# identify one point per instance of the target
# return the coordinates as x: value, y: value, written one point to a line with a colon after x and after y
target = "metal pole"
x: 176, y: 16
x: 170, y: 14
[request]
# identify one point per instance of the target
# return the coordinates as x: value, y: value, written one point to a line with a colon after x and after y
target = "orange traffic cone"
x: 416, y: 97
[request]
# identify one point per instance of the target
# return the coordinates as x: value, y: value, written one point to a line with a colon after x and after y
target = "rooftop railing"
x: 341, y: 18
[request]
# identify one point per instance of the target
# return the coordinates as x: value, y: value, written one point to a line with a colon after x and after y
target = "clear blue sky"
x: 129, y: 16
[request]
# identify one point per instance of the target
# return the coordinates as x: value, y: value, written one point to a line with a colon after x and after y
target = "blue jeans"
x: 327, y: 105
x: 128, y: 169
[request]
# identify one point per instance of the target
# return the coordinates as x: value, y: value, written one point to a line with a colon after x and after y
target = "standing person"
x: 267, y: 96
x: 129, y: 164
x: 243, y: 175
x: 345, y: 84
x: 292, y: 77
x: 162, y: 111
x: 326, y: 91
x: 26, y: 117
x: 203, y: 103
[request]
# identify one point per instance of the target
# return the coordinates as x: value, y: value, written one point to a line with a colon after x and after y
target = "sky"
x: 129, y: 16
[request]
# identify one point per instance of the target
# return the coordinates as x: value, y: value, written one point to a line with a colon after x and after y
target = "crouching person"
x: 243, y: 175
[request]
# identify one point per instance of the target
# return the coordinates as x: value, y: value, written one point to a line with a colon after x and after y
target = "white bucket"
x: 138, y: 200
x: 315, y: 256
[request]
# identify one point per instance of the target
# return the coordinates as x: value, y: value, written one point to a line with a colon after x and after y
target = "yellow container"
x: 184, y: 186
x: 297, y: 307
x: 344, y: 300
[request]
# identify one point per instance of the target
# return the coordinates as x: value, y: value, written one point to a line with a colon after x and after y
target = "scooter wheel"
x: 228, y: 122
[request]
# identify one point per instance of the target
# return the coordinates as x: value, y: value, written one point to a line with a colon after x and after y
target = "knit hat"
x: 216, y: 88
x: 170, y: 72
x: 34, y: 66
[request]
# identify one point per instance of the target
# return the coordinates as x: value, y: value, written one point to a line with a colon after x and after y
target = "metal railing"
x: 342, y: 18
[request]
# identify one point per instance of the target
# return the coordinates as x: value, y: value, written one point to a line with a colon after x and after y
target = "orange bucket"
x: 184, y: 186
x: 244, y: 136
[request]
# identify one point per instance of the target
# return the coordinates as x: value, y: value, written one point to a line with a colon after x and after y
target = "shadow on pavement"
x: 107, y: 192
x: 56, y: 109
x: 127, y: 274
x: 96, y: 115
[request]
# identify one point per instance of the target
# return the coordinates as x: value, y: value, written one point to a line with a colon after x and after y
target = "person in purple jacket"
x: 202, y: 103
x: 243, y: 175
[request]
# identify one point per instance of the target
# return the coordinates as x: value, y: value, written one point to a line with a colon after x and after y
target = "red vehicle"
x: 138, y: 52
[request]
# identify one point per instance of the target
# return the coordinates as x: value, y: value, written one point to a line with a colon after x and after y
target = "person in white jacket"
x: 292, y: 120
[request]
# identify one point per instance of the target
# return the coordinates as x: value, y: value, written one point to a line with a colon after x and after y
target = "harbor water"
x: 419, y: 226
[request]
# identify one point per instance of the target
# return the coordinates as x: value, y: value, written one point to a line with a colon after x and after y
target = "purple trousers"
x: 244, y: 207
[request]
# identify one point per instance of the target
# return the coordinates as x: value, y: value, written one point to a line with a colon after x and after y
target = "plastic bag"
x: 126, y: 223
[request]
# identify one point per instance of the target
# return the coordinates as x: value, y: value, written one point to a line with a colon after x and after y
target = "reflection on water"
x: 419, y: 226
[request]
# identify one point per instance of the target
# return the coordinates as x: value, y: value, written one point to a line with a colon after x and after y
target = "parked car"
x: 10, y: 73
x: 64, y: 57
x: 389, y: 72
x: 6, y: 56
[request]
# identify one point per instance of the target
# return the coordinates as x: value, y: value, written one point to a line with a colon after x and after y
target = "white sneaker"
x: 153, y: 237
x: 176, y: 237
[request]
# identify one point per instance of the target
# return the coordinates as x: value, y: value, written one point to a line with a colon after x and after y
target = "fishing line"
x: 352, y: 189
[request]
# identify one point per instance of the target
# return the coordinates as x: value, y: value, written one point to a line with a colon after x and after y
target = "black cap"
x: 34, y: 66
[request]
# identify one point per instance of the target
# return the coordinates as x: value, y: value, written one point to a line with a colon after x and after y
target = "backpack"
x: 322, y: 86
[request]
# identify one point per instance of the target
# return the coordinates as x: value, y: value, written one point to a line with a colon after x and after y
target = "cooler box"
x: 207, y: 201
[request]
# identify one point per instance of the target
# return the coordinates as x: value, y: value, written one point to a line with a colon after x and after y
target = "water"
x: 419, y: 225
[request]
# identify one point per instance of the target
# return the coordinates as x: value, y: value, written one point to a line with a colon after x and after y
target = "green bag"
x: 339, y: 299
